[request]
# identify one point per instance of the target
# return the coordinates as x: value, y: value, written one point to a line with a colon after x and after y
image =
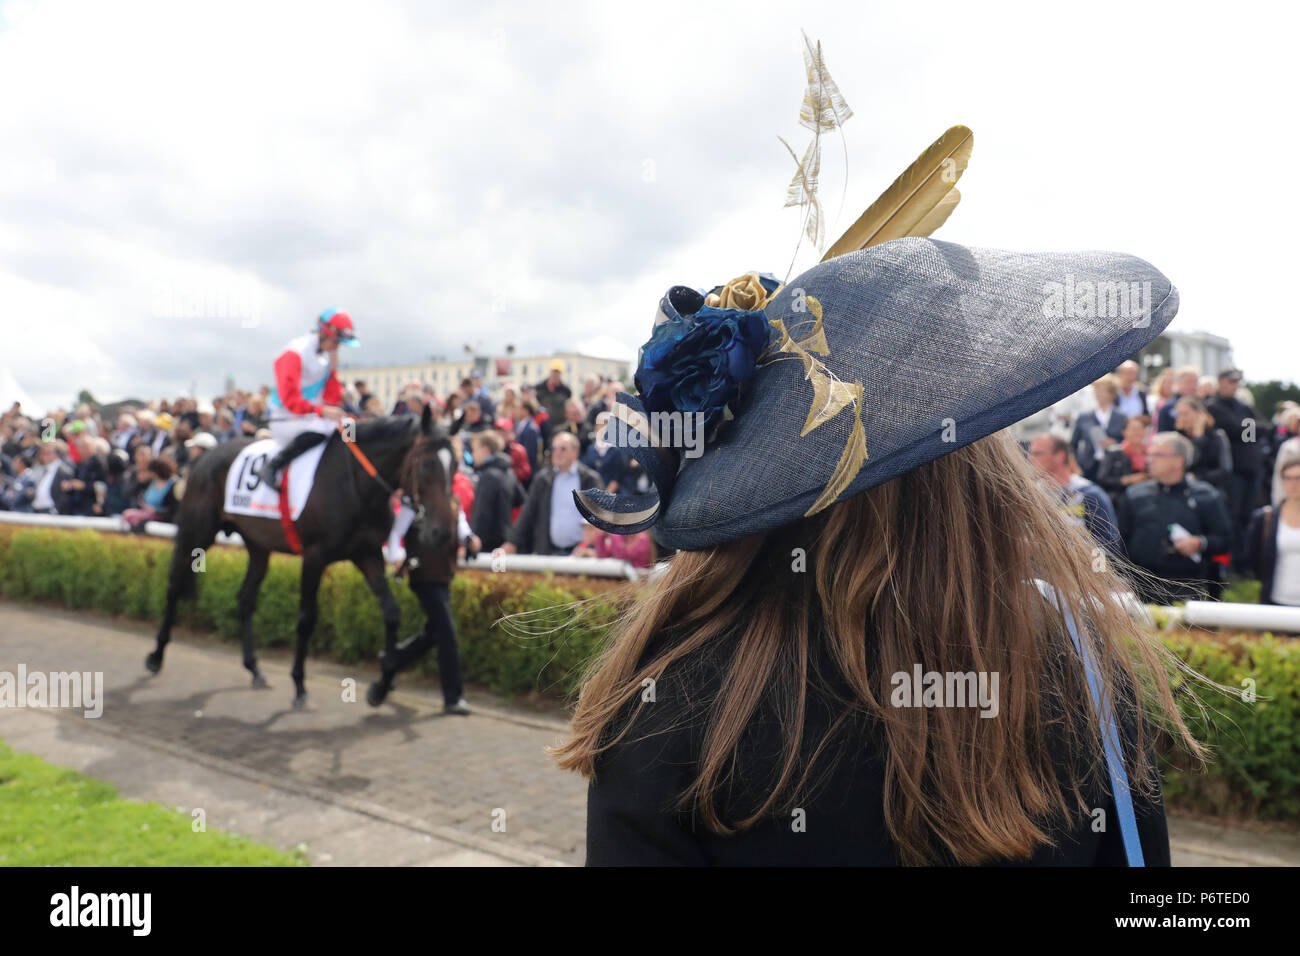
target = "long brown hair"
x: 934, y: 567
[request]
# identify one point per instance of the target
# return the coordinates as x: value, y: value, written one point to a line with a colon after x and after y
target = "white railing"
x: 155, y: 529
x: 1241, y: 617
x: 595, y: 567
x: 535, y: 563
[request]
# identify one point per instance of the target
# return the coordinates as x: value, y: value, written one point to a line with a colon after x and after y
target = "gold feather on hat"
x: 918, y: 202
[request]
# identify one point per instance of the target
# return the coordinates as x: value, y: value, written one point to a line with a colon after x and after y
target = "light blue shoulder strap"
x: 1119, y: 786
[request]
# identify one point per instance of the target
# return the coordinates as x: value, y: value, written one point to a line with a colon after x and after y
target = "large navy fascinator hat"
x: 760, y: 403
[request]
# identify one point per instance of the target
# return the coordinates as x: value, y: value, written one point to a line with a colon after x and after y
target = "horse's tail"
x: 198, y: 519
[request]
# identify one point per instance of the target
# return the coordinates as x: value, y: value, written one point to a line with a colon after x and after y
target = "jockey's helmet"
x: 337, y: 325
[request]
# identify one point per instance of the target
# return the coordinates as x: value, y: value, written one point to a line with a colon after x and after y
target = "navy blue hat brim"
x: 949, y: 344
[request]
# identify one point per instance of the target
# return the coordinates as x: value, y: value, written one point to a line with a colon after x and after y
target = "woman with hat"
x: 878, y: 643
x: 305, y: 405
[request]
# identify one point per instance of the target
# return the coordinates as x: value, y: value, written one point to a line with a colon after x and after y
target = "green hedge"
x: 128, y: 576
x: 1255, y: 768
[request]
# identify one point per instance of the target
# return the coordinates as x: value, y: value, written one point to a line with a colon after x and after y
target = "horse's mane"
x: 397, y: 429
x: 388, y: 429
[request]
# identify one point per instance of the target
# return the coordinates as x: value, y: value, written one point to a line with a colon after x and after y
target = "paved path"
x: 401, y: 785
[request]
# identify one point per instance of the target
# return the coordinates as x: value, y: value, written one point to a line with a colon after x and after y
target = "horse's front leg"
x: 313, y: 568
x: 373, y: 568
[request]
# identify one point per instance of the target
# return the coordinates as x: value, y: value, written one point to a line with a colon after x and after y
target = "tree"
x: 1268, y: 395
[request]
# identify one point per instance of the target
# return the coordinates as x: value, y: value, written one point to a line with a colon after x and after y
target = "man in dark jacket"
x: 1172, y: 526
x: 550, y: 522
x: 50, y: 495
x: 1245, y: 433
x: 552, y: 393
x: 89, y: 469
x: 496, y: 493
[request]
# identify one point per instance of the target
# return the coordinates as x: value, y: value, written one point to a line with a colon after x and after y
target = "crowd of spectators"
x: 1186, y: 481
x: 522, y: 451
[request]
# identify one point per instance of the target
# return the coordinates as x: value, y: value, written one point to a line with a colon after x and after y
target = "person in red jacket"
x: 305, y: 405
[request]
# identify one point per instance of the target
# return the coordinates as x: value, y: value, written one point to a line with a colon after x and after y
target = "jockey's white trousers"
x: 284, y: 429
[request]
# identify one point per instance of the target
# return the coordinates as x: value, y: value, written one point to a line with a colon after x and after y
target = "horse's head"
x: 427, y: 474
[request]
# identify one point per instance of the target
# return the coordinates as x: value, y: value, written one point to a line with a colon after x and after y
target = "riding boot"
x: 297, y: 445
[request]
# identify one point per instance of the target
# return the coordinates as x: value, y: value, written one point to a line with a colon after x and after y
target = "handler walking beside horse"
x: 429, y: 571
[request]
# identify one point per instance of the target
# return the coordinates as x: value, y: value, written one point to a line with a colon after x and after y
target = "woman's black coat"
x: 1259, y: 554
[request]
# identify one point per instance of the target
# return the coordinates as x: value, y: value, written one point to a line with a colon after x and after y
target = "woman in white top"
x: 1273, y: 541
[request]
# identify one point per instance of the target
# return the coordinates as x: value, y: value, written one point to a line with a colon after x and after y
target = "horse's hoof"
x: 300, y: 701
x: 259, y: 682
x: 377, y: 691
x: 153, y: 662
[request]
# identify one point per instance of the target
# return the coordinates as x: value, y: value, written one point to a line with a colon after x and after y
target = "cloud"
x: 539, y: 175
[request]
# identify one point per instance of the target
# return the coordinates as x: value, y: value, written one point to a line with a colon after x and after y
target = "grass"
x: 50, y: 816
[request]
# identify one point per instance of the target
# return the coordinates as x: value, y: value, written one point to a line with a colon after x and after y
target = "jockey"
x: 305, y: 404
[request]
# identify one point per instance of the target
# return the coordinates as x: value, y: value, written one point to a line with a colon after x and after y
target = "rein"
x: 412, y: 497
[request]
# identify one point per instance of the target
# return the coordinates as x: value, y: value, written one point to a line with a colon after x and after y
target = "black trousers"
x: 439, y: 629
x: 1243, y: 490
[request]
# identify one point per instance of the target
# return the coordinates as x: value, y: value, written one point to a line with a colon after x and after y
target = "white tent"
x: 11, y: 391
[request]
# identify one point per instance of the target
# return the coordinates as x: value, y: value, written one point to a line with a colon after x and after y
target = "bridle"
x: 411, y: 500
x: 410, y: 478
x: 411, y: 483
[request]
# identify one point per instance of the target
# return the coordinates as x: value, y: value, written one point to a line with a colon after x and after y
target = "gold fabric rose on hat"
x: 744, y: 292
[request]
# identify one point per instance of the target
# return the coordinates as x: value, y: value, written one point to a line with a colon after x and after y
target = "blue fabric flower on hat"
x: 698, y: 359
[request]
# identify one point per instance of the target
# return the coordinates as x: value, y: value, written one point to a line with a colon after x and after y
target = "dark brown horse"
x: 347, y: 516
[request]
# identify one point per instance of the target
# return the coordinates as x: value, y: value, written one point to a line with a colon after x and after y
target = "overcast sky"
x: 184, y: 186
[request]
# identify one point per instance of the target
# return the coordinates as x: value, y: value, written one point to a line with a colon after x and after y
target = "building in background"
x: 387, y: 381
x: 1209, y: 353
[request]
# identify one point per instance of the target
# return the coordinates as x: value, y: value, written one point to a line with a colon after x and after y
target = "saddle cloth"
x: 246, y: 494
